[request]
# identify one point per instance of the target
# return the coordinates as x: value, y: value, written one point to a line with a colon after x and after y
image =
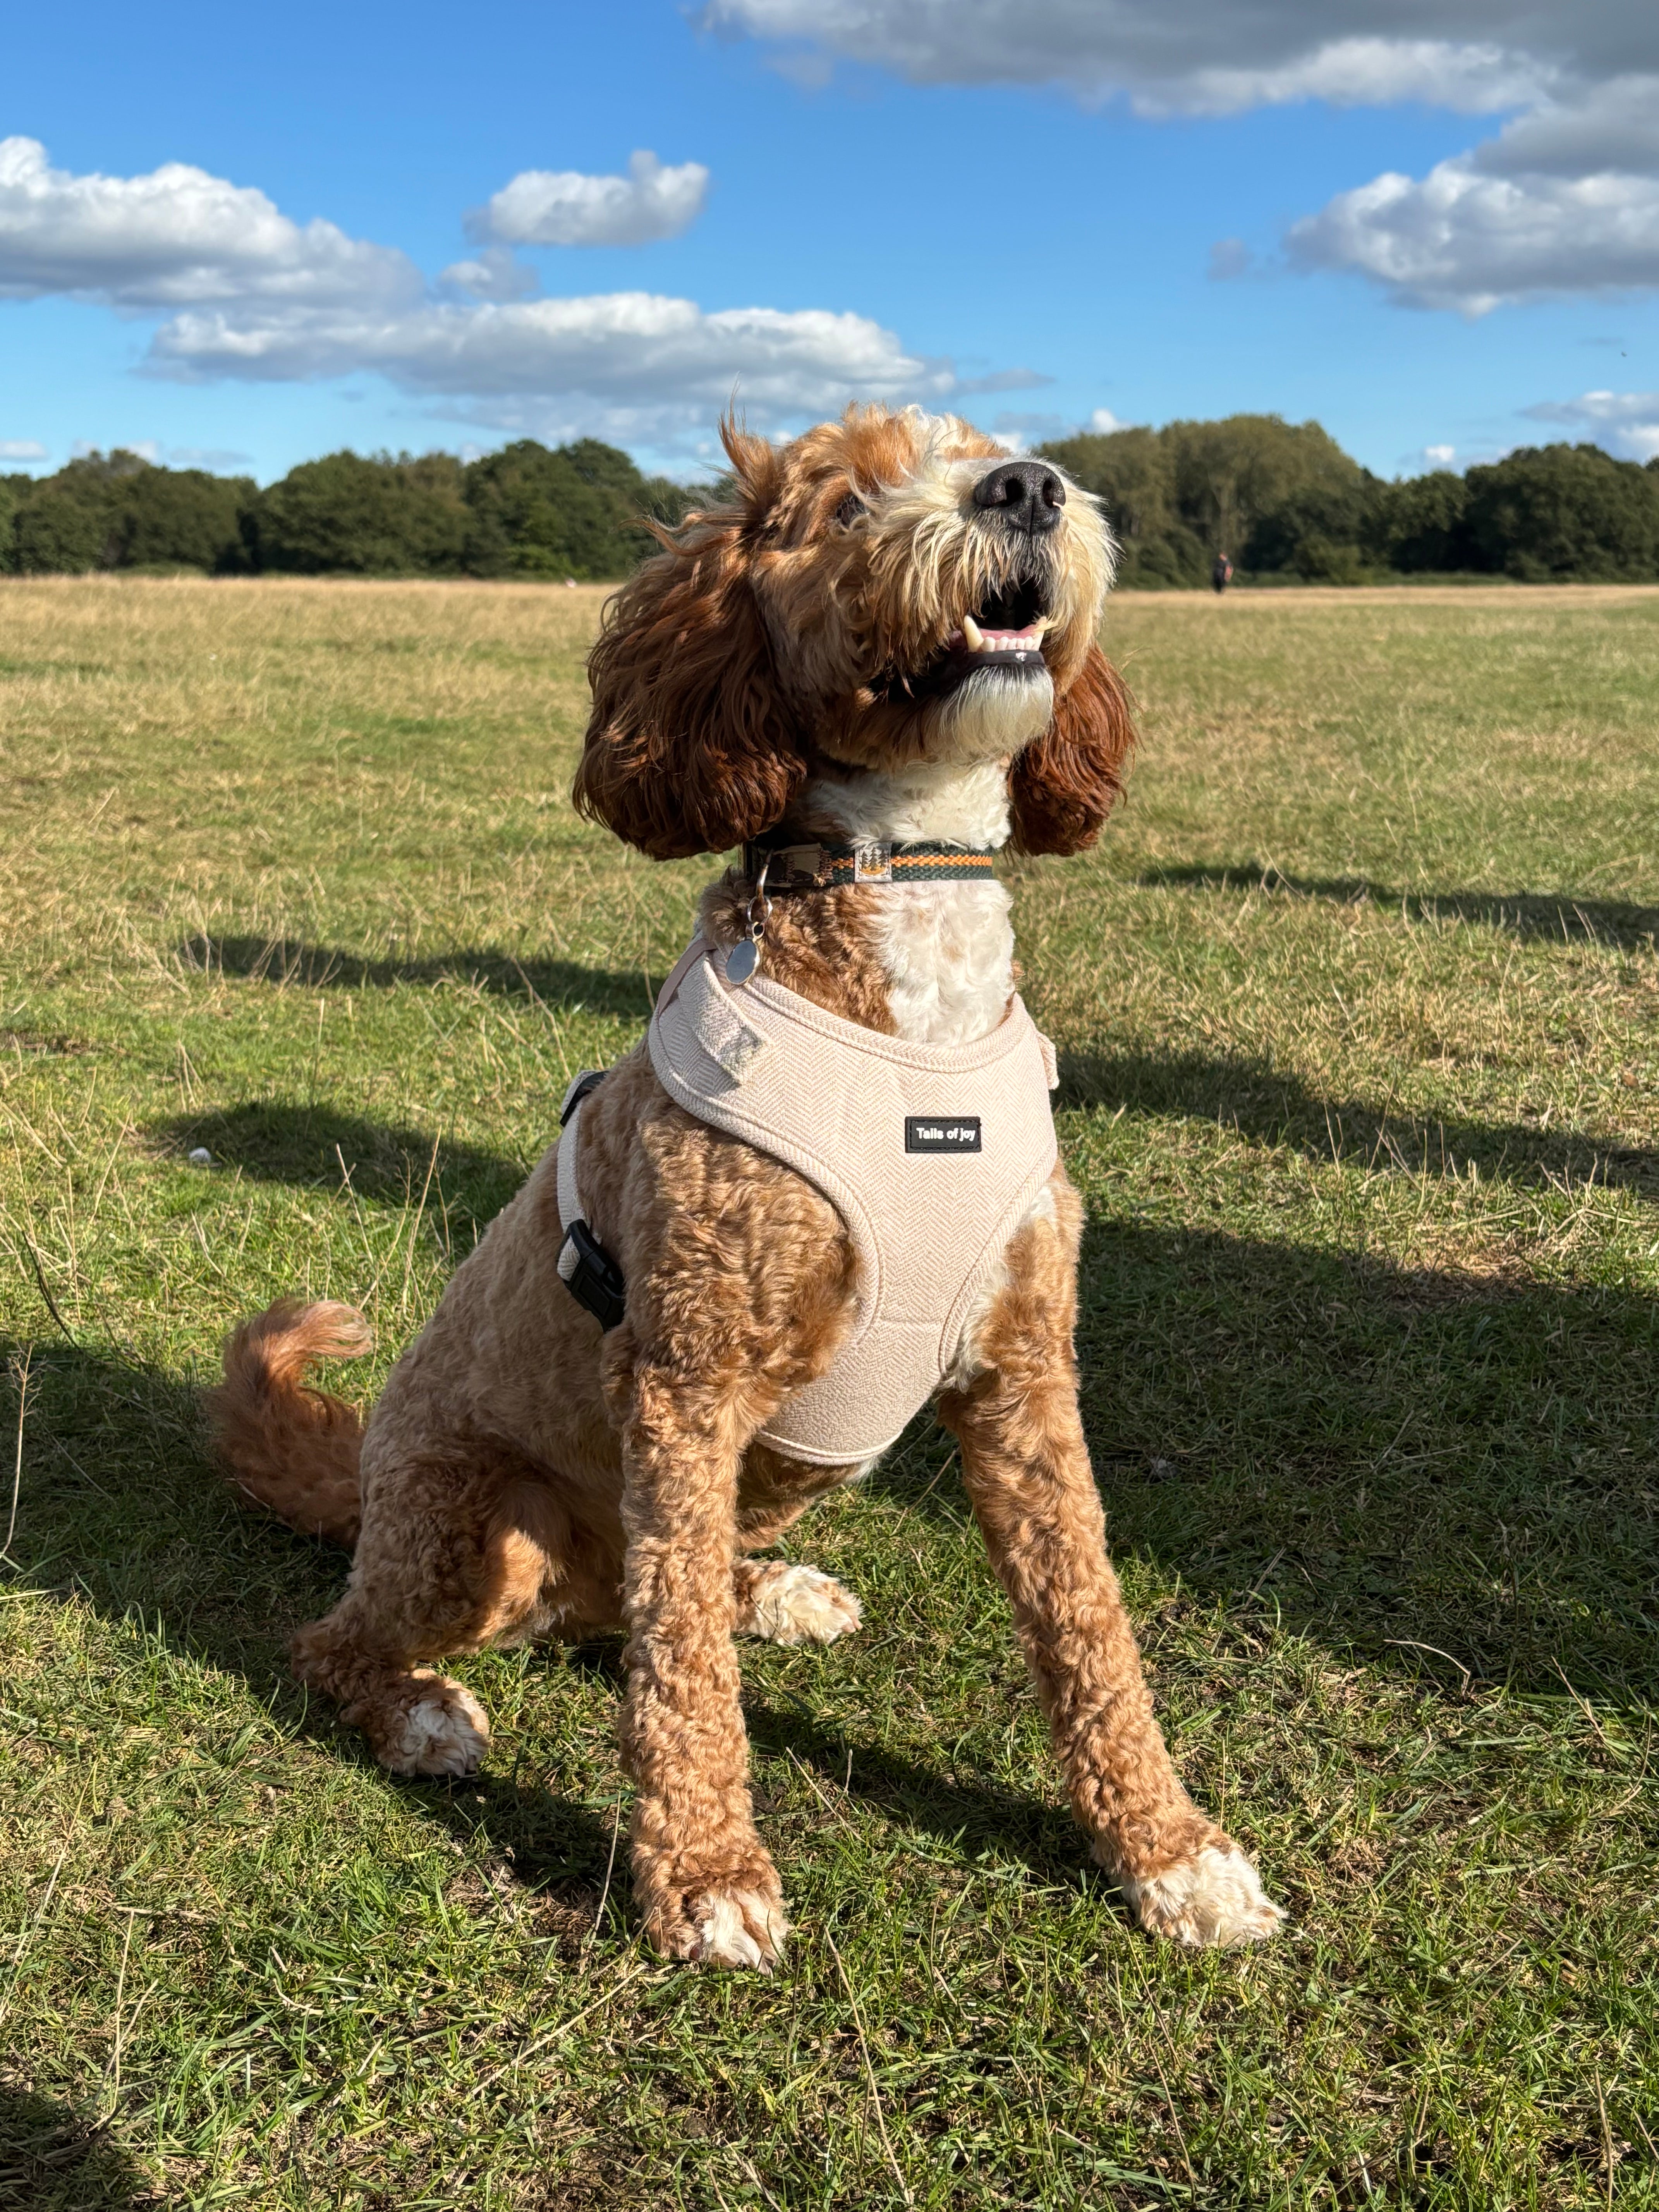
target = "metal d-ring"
x: 744, y: 959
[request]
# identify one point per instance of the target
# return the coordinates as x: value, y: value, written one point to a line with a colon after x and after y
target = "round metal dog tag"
x: 742, y: 961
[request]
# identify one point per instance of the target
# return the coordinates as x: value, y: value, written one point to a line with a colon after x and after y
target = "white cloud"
x: 493, y: 274
x: 174, y: 237
x: 216, y: 458
x: 1461, y: 239
x: 1213, y: 57
x: 1627, y: 422
x: 1103, y: 422
x: 1371, y: 72
x: 1606, y: 127
x: 21, y: 449
x: 249, y: 294
x: 1562, y: 200
x: 562, y: 206
x: 147, y: 449
x: 1440, y: 457
x: 616, y: 356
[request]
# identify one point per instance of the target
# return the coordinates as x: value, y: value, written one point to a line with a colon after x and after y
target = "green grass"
x: 1356, y: 1009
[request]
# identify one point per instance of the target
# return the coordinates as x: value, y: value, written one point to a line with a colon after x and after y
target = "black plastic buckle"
x: 596, y: 1281
x: 589, y: 1082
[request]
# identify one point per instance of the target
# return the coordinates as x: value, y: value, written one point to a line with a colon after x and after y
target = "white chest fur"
x: 948, y: 949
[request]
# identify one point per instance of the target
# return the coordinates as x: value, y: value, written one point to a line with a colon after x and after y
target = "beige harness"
x: 932, y: 1155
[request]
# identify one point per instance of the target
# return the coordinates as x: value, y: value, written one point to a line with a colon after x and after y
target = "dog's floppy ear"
x: 690, y: 747
x: 1066, y: 782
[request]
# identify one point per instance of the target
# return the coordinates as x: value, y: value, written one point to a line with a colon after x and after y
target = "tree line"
x: 1285, y: 502
x: 1281, y: 500
x: 578, y: 510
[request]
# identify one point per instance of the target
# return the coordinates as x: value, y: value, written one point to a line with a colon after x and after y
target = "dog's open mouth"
x: 1005, y: 632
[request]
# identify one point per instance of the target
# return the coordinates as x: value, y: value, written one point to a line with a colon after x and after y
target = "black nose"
x: 1027, y: 495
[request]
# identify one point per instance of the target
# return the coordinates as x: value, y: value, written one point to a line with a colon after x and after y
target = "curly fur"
x: 1066, y: 782
x: 780, y: 661
x: 294, y: 1449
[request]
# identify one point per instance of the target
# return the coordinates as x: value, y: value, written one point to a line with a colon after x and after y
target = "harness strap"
x: 586, y: 1268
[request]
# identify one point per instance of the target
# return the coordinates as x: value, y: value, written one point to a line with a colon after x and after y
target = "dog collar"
x: 821, y: 864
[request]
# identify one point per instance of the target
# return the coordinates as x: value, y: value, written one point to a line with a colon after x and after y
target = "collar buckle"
x: 800, y: 868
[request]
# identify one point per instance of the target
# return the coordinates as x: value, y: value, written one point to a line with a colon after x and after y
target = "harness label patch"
x: 940, y: 1132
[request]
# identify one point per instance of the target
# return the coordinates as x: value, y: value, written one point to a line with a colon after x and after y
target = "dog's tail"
x: 287, y: 1447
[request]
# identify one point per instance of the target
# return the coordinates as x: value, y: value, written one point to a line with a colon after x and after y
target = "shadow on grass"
x: 52, y: 2160
x: 1272, y: 1106
x: 1433, y: 1471
x: 1395, y: 1458
x: 120, y: 1502
x: 317, y: 1147
x: 1533, y: 914
x: 972, y: 1817
x: 562, y: 984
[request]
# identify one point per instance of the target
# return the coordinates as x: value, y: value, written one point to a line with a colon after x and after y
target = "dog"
x: 880, y: 645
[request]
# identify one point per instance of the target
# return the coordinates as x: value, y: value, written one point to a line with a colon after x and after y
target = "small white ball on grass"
x: 201, y: 1158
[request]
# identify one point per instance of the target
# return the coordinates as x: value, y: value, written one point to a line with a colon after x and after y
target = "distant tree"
x: 1251, y: 486
x: 348, y: 516
x: 69, y: 522
x: 13, y: 492
x: 184, y: 518
x: 1418, y: 524
x: 117, y: 511
x: 1233, y: 474
x: 1133, y: 474
x: 1316, y: 531
x: 1564, y: 512
x: 565, y: 511
x: 58, y: 535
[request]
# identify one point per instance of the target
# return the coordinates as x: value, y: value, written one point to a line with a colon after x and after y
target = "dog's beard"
x: 992, y: 713
x: 984, y: 690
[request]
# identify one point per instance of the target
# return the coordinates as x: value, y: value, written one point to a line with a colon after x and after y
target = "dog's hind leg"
x: 445, y: 1565
x: 777, y: 1599
x: 1025, y: 1463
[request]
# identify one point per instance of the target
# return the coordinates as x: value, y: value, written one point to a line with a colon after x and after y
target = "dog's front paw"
x: 787, y: 1604
x: 738, y: 1928
x: 441, y: 1732
x: 1212, y: 1900
x: 723, y: 1924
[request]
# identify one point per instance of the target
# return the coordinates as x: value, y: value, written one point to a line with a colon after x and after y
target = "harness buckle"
x: 596, y: 1281
x: 588, y: 1081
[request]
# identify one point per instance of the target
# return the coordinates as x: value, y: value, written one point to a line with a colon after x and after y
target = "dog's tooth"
x: 972, y: 635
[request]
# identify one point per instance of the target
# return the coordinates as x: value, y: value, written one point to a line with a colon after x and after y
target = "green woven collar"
x: 821, y: 864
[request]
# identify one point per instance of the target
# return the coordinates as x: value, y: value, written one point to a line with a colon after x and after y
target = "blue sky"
x: 1434, y: 228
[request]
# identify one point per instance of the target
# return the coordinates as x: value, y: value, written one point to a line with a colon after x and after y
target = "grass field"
x: 1356, y: 1008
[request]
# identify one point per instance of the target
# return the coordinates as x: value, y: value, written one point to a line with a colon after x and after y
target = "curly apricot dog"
x: 874, y: 666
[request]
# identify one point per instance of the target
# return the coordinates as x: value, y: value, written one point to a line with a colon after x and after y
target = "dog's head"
x: 888, y: 589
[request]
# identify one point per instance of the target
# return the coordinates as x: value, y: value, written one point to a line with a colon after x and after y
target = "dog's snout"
x: 1026, y: 495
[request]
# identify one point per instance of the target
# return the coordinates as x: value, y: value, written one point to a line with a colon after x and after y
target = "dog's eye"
x: 849, y: 511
